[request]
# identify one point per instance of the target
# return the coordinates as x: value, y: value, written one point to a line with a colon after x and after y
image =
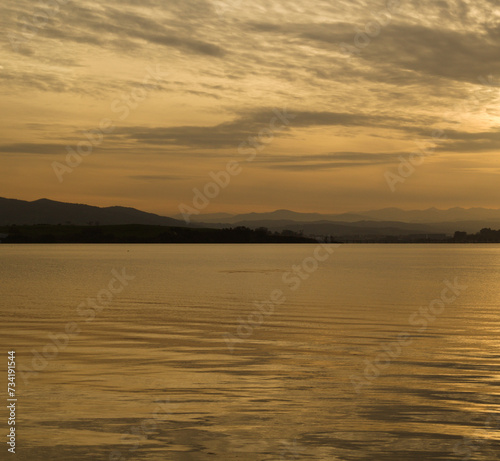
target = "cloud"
x: 156, y: 178
x: 105, y: 26
x: 328, y: 161
x: 37, y: 80
x: 464, y: 142
x: 31, y: 148
x: 400, y: 47
x: 437, y: 52
x: 249, y: 124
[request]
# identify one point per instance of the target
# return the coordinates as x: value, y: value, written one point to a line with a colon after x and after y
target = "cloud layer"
x: 366, y: 81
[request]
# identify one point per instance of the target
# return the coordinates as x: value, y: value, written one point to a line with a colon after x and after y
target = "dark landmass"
x: 78, y: 223
x: 365, y: 229
x: 138, y: 233
x: 43, y: 211
x: 486, y: 235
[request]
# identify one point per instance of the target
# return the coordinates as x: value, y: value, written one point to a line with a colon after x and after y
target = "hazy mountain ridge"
x: 278, y: 215
x: 369, y: 223
x: 430, y: 215
x: 386, y: 221
x: 435, y: 215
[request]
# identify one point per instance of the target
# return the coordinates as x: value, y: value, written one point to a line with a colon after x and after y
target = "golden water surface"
x: 368, y: 356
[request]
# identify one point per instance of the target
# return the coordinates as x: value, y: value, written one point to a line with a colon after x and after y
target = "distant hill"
x: 45, y: 211
x: 388, y: 221
x: 278, y: 215
x: 431, y: 215
x: 435, y: 215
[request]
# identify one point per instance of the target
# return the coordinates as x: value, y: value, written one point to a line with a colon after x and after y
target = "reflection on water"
x: 151, y: 377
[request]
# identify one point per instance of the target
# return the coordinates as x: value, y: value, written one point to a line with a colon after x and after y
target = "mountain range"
x: 383, y: 222
x: 431, y: 215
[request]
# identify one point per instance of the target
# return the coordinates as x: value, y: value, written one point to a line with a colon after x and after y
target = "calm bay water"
x: 370, y: 357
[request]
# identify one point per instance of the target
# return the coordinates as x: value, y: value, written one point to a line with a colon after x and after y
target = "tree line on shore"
x: 138, y: 233
x: 485, y: 235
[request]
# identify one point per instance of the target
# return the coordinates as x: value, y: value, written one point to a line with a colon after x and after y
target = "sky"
x: 326, y: 106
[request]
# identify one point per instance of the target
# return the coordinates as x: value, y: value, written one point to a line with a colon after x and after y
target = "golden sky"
x: 334, y: 96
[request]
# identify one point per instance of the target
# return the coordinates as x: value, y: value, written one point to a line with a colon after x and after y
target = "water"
x: 161, y: 373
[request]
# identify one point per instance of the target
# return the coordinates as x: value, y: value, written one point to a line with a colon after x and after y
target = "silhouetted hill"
x: 50, y: 212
